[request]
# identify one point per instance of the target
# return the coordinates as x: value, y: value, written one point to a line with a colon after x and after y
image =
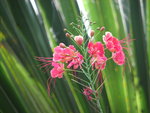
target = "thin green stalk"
x: 79, y: 78
x: 79, y: 83
x: 97, y: 101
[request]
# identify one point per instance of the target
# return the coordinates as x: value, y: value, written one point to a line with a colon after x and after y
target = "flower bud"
x: 71, y: 23
x: 98, y: 28
x: 92, y: 33
x: 67, y: 35
x: 78, y: 26
x: 102, y: 28
x: 71, y: 36
x: 91, y: 23
x: 62, y: 45
x: 65, y: 29
x: 78, y: 39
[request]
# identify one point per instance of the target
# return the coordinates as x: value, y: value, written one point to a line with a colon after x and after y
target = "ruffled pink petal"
x: 119, y: 57
x: 57, y: 71
x: 112, y: 43
x: 107, y: 37
x: 94, y: 49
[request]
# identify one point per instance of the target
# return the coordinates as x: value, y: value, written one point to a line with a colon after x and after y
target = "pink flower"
x: 58, y: 70
x: 97, y: 53
x: 88, y: 92
x: 76, y: 61
x: 95, y: 49
x: 119, y: 57
x: 78, y: 39
x: 89, y: 97
x: 98, y: 62
x: 112, y: 43
x: 63, y: 54
x: 68, y: 55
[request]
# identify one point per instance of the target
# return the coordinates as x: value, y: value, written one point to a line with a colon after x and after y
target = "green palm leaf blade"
x: 92, y: 14
x: 35, y: 28
x: 122, y: 9
x: 138, y: 31
x: 5, y: 100
x: 148, y: 28
x: 46, y: 13
x: 17, y: 35
x: 65, y: 6
x: 109, y: 16
x: 148, y: 39
x: 29, y: 94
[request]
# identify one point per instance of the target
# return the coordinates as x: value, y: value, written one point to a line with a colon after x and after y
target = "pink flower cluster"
x: 97, y: 53
x: 69, y: 57
x: 114, y: 46
x: 88, y: 92
x: 73, y: 59
x: 65, y: 55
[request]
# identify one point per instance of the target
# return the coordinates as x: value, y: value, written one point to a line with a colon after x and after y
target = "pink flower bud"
x: 62, y: 45
x: 78, y: 39
x: 88, y: 92
x: 67, y: 35
x: 92, y: 33
x: 102, y: 28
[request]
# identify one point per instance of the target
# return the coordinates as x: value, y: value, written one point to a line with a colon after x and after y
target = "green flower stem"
x: 73, y: 70
x: 86, y: 74
x: 99, y: 86
x: 95, y: 78
x: 79, y: 83
x: 97, y: 101
x: 93, y: 72
x: 79, y: 79
x: 86, y: 67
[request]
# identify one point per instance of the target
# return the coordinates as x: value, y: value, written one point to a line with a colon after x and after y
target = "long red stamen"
x: 47, y: 61
x: 48, y: 85
x: 46, y: 69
